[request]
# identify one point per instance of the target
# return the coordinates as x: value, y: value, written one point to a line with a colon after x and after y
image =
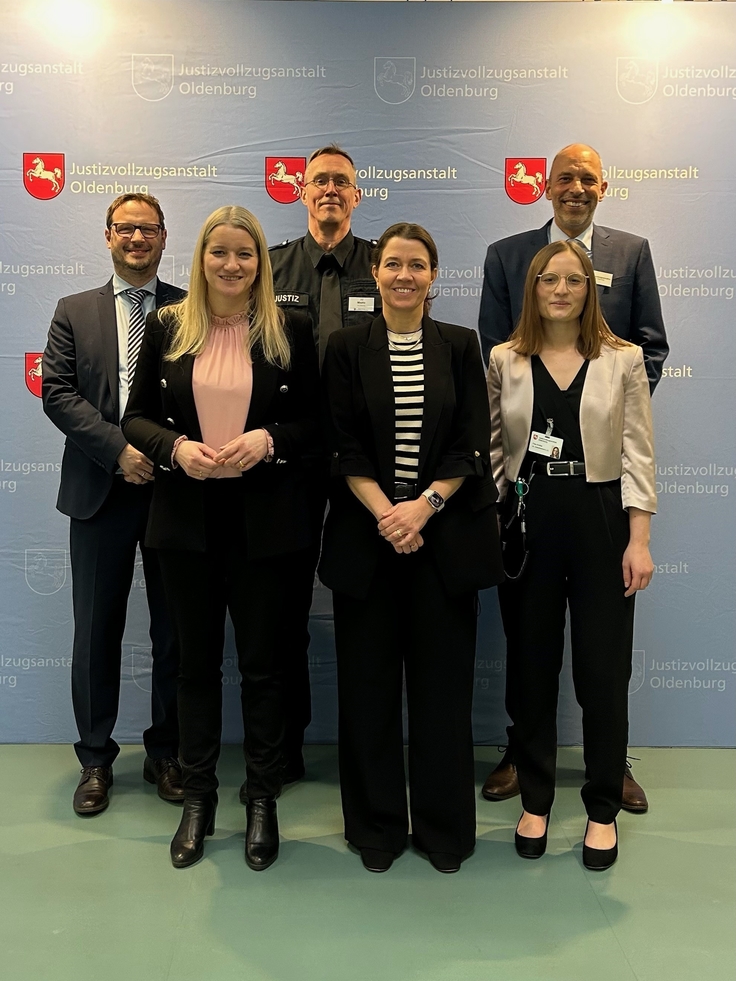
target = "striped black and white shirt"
x: 407, y: 370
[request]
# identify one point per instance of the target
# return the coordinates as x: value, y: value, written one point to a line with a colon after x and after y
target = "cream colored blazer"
x: 615, y: 421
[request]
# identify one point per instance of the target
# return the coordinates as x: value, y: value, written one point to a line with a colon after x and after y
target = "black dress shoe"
x: 634, y: 799
x: 444, y: 862
x: 91, y: 795
x: 599, y: 859
x: 198, y: 820
x: 376, y: 860
x: 261, y: 833
x: 503, y: 782
x: 166, y: 774
x: 531, y: 847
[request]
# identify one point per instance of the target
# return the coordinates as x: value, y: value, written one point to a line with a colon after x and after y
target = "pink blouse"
x: 222, y: 383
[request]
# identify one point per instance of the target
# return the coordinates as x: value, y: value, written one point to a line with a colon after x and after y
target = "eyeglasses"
x: 575, y: 281
x: 126, y: 230
x: 322, y: 181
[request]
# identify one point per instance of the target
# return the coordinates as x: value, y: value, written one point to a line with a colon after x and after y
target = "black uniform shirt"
x: 298, y: 281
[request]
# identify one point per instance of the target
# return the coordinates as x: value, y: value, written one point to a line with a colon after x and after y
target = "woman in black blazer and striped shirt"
x: 410, y: 537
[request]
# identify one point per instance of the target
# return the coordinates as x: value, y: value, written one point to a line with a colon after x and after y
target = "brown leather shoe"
x: 502, y: 783
x: 634, y: 799
x: 91, y: 795
x: 166, y: 774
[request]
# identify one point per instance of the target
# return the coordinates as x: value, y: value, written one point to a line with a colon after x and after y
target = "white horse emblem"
x: 39, y: 171
x: 280, y: 176
x: 521, y: 177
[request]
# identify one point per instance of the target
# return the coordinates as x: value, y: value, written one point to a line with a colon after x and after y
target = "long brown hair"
x: 528, y: 337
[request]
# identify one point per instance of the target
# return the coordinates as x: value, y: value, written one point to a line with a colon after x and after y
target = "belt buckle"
x: 555, y: 468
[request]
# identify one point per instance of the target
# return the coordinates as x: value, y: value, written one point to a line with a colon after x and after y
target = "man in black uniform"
x: 327, y: 273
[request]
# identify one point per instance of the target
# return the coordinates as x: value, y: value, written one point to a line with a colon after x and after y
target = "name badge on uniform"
x: 362, y: 304
x: 603, y: 278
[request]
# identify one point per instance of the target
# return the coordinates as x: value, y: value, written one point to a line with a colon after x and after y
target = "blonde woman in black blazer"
x: 410, y: 537
x: 227, y: 518
x: 564, y: 380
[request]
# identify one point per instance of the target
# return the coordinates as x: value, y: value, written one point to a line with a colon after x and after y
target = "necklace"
x: 404, y: 342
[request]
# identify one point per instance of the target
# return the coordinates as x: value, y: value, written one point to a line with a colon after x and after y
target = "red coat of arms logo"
x: 285, y: 178
x: 43, y: 174
x: 525, y: 178
x: 34, y: 360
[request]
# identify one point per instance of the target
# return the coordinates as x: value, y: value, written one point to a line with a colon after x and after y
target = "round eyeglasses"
x: 575, y: 281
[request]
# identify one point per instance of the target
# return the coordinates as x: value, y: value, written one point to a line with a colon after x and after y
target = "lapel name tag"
x: 549, y: 446
x: 363, y: 304
x: 603, y: 278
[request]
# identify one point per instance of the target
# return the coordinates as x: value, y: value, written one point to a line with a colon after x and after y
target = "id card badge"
x: 603, y: 278
x: 362, y: 304
x: 545, y: 445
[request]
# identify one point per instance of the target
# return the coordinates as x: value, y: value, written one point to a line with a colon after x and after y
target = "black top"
x: 551, y: 402
x: 298, y: 280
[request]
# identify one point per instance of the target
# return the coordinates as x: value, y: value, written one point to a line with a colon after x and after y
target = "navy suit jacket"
x: 630, y: 305
x: 81, y: 393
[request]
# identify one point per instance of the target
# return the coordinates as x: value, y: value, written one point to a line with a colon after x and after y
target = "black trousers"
x: 577, y: 534
x: 201, y: 588
x: 102, y: 551
x: 407, y: 623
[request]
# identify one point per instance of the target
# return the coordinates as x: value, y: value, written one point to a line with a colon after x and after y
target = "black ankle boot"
x: 198, y: 820
x: 261, y: 833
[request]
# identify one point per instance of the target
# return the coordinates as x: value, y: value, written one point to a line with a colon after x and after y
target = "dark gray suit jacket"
x: 81, y: 393
x: 630, y: 305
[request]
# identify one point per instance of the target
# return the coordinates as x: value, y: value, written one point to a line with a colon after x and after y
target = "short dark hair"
x: 148, y: 199
x: 409, y: 231
x: 332, y: 149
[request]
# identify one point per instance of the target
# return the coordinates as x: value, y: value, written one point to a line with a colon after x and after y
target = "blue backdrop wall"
x: 198, y: 101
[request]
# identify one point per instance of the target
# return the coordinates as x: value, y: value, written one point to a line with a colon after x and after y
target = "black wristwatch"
x: 436, y: 500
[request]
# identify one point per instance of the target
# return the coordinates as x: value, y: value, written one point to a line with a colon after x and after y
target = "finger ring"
x: 414, y: 547
x: 240, y: 464
x: 399, y: 533
x: 201, y: 473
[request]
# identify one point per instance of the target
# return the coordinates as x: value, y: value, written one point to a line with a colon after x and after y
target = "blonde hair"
x: 190, y: 319
x: 528, y: 337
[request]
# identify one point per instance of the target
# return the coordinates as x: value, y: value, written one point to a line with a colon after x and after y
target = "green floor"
x: 96, y: 898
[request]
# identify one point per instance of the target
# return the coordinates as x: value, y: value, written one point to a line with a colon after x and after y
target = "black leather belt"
x: 405, y: 492
x: 565, y: 468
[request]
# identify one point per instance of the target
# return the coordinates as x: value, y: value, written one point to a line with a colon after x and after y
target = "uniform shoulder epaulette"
x: 279, y: 245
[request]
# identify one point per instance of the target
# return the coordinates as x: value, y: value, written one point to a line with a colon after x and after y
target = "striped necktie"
x: 583, y: 246
x: 136, y: 323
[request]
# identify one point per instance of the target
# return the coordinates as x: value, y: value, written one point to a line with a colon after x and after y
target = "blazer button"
x: 170, y: 421
x: 477, y: 453
x: 163, y: 383
x: 284, y: 389
x: 336, y: 454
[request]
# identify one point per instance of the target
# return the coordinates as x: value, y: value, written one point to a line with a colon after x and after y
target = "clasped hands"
x: 401, y: 524
x: 200, y: 461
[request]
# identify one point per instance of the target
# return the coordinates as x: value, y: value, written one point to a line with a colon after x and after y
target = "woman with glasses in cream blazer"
x: 573, y: 458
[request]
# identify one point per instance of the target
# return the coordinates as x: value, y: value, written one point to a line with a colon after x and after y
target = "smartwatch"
x: 436, y: 500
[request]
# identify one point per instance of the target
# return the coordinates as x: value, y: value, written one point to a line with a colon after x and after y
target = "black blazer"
x: 630, y: 304
x: 81, y: 393
x: 456, y: 430
x: 286, y: 403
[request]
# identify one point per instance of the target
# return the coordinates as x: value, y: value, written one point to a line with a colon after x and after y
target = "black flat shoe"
x: 444, y: 861
x: 531, y: 847
x: 197, y: 821
x: 599, y: 859
x: 261, y: 833
x: 376, y: 860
